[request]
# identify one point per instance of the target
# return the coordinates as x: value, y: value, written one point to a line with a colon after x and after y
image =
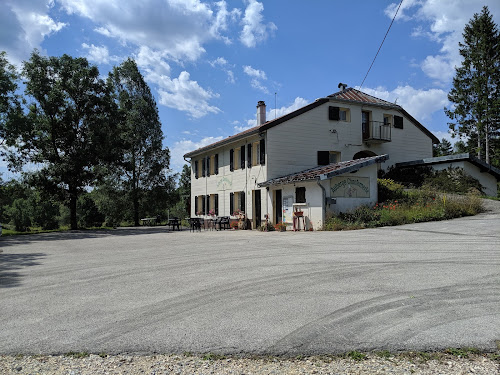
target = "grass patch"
x: 213, y: 357
x: 356, y: 356
x: 412, y: 207
x: 384, y: 354
x: 77, y: 354
x: 462, y: 352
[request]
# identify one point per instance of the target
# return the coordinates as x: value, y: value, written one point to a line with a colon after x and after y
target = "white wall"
x: 293, y: 145
x: 488, y: 181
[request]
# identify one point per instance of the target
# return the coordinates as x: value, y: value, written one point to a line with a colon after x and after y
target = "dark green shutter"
x: 242, y: 157
x: 195, y: 168
x: 203, y: 203
x: 242, y: 205
x: 398, y: 122
x: 231, y: 160
x: 203, y: 167
x: 231, y: 203
x: 262, y: 152
x: 196, y: 205
x: 216, y: 203
x: 216, y: 164
x: 249, y: 155
x: 334, y: 113
x: 208, y: 166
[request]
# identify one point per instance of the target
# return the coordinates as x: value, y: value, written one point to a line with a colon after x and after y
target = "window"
x: 387, y: 120
x: 241, y: 200
x: 249, y: 155
x: 242, y: 157
x: 195, y: 165
x: 216, y: 164
x: 208, y: 166
x: 339, y: 114
x: 300, y: 195
x: 344, y: 114
x: 398, y: 122
x: 231, y: 160
x: 262, y: 152
x: 236, y: 154
x: 256, y: 153
x: 328, y: 157
x: 203, y: 167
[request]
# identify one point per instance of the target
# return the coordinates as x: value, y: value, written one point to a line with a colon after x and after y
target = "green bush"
x: 452, y: 180
x: 88, y: 213
x: 389, y: 190
x: 19, y: 214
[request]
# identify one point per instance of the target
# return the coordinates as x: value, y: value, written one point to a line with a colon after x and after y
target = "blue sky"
x: 209, y: 62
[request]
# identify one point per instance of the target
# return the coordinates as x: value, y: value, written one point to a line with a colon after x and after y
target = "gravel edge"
x: 371, y: 363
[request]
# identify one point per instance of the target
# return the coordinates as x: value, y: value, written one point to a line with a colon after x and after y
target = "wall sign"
x: 225, y: 182
x: 288, y: 209
x: 350, y: 187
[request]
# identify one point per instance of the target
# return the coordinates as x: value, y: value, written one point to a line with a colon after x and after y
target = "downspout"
x: 323, y: 211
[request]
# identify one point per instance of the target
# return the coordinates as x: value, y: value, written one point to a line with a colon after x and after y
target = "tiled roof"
x: 324, y: 172
x: 354, y: 95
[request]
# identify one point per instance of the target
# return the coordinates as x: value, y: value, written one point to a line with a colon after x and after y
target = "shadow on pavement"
x: 9, y: 263
x: 81, y: 234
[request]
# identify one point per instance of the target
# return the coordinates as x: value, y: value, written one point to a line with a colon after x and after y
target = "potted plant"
x: 280, y: 227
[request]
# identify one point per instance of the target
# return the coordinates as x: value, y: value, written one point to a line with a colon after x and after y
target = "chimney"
x: 261, y: 112
x: 342, y: 86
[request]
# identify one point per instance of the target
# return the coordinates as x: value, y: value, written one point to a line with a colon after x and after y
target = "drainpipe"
x: 323, y: 211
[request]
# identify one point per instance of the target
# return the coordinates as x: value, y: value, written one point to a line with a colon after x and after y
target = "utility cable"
x: 397, y: 10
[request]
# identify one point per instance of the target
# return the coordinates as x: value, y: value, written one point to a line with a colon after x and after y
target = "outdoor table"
x: 174, y: 222
x: 195, y: 224
x: 148, y: 221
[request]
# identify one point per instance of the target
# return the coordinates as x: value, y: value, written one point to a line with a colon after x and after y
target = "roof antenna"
x: 275, y: 108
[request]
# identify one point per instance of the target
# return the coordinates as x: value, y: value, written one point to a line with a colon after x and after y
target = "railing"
x: 379, y: 132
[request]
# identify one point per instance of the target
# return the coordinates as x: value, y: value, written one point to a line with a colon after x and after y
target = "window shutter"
x: 242, y: 201
x: 203, y: 165
x: 195, y: 169
x: 242, y: 157
x: 262, y: 152
x: 249, y: 155
x: 231, y: 203
x: 398, y: 122
x: 216, y: 164
x: 196, y: 205
x: 231, y: 160
x: 216, y: 204
x: 334, y: 113
x: 323, y: 157
x: 208, y: 204
x: 208, y: 166
x: 203, y: 205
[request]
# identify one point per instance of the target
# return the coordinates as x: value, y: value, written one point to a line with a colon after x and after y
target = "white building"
x: 321, y: 157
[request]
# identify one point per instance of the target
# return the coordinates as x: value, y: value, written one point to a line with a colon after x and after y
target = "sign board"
x: 288, y: 209
x: 350, y: 187
x: 225, y: 182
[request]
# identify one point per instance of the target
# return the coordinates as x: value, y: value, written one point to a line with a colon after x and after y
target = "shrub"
x: 88, y: 213
x: 265, y: 227
x: 389, y: 190
x: 19, y: 214
x: 453, y: 180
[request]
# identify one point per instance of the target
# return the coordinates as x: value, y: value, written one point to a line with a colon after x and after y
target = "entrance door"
x: 257, y: 208
x: 278, y: 205
x: 365, y: 124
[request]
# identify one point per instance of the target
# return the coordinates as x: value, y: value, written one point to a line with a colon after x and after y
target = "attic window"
x: 339, y: 114
x: 398, y: 122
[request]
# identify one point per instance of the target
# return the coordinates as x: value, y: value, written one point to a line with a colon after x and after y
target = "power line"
x: 397, y: 10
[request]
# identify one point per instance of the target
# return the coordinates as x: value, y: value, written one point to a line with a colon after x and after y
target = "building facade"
x: 242, y: 172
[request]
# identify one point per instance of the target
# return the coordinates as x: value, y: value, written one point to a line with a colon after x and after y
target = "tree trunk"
x: 479, y: 143
x: 135, y: 198
x: 73, y: 198
x: 487, y: 144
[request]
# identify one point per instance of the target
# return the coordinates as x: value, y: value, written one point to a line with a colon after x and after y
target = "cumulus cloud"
x: 254, y: 30
x: 257, y: 77
x: 99, y: 55
x: 152, y: 60
x: 179, y: 28
x: 24, y: 25
x: 180, y: 148
x: 272, y: 113
x: 421, y: 104
x: 444, y: 22
x: 184, y: 94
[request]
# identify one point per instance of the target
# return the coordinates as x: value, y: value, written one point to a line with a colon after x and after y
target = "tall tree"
x: 443, y: 148
x: 10, y: 104
x: 68, y: 131
x: 476, y: 87
x: 145, y: 162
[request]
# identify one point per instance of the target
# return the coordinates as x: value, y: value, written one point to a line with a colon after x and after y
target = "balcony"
x: 376, y: 132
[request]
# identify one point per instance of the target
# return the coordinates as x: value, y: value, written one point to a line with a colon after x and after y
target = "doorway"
x: 257, y: 208
x: 278, y: 206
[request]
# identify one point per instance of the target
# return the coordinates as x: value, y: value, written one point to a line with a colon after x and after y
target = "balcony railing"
x: 378, y: 132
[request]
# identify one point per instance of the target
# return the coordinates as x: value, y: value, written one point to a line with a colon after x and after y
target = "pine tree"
x: 476, y: 86
x: 444, y: 148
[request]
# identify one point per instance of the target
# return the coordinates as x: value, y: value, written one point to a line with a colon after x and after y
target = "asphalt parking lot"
x: 149, y: 290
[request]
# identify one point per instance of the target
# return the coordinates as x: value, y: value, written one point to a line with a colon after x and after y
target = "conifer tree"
x: 476, y: 86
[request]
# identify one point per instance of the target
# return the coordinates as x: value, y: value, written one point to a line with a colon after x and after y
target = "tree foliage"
x: 68, y: 130
x: 144, y: 166
x: 443, y: 148
x: 475, y: 94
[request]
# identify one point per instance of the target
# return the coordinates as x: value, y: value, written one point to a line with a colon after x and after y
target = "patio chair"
x: 194, y: 224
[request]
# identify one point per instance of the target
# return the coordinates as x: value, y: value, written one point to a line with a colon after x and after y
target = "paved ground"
x: 414, y: 287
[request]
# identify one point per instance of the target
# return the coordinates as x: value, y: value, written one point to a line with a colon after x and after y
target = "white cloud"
x: 223, y: 64
x: 257, y: 77
x: 99, y: 55
x: 24, y: 25
x: 149, y: 59
x: 179, y: 28
x: 180, y: 148
x: 444, y: 22
x: 254, y: 30
x: 421, y: 104
x: 184, y: 94
x: 272, y: 113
